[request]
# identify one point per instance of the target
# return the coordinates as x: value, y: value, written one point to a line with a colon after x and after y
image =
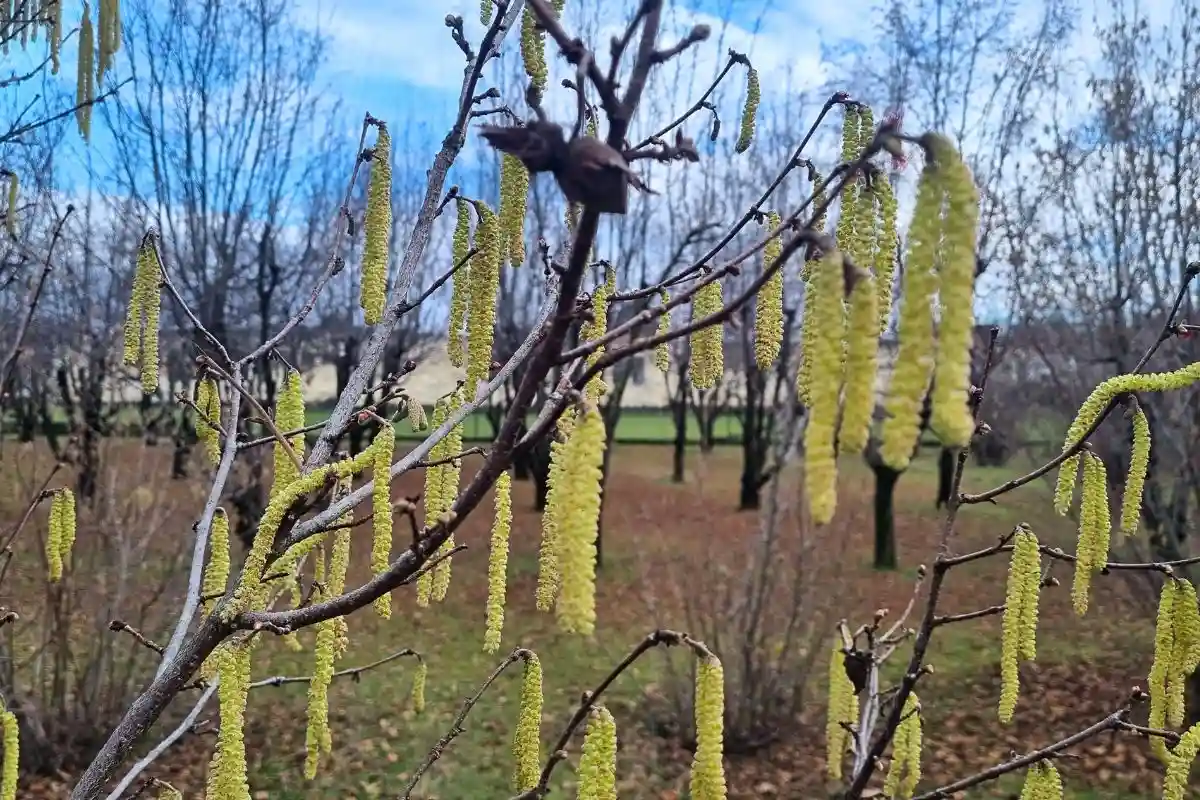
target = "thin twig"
x: 1114, y: 721
x: 456, y: 727
x: 118, y: 626
x: 1165, y: 333
x: 659, y: 638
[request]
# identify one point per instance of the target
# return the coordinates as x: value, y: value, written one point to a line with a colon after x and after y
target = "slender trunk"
x: 946, y: 460
x: 754, y: 446
x: 679, y: 410
x: 885, y: 519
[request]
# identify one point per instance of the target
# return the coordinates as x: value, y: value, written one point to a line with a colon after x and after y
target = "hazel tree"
x: 305, y: 529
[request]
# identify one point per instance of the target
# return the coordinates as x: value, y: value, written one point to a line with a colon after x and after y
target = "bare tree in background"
x: 209, y: 148
x: 37, y: 115
x: 1108, y: 260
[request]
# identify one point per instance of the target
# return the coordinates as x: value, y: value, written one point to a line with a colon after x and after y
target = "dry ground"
x: 659, y: 539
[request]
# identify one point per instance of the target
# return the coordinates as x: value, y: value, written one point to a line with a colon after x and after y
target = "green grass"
x: 635, y: 425
x: 378, y: 736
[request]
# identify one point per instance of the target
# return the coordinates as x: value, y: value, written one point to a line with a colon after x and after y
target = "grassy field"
x: 637, y: 425
x: 656, y: 533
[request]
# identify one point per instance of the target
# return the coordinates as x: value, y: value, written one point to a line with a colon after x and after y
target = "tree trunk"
x: 754, y: 446
x: 946, y: 460
x: 522, y: 465
x: 1192, y: 688
x: 885, y: 519
x: 679, y: 410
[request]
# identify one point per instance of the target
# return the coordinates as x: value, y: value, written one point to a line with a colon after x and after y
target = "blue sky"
x: 395, y: 58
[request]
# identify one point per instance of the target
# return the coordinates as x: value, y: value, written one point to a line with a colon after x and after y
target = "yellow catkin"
x: 862, y: 350
x: 526, y: 746
x: 498, y: 563
x: 227, y: 772
x: 54, y: 539
x: 317, y: 735
x: 1135, y: 480
x: 11, y: 734
x: 904, y: 772
x: 1052, y: 785
x: 485, y: 12
x: 749, y: 112
x: 104, y: 38
x: 1185, y: 627
x: 828, y: 314
x: 885, y: 248
x: 481, y: 303
x: 595, y: 328
x: 417, y: 420
x: 514, y: 192
x: 381, y: 510
x: 216, y: 571
x: 708, y: 344
x: 533, y: 51
x: 840, y: 711
x: 768, y: 312
x: 208, y: 405
x: 1064, y: 488
x: 142, y: 316
x: 848, y: 214
x: 1098, y: 401
x: 249, y: 589
x: 85, y: 85
x: 950, y: 417
x: 597, y: 773
x: 462, y: 282
x: 417, y: 695
x: 708, y: 770
x: 1091, y: 552
x: 579, y: 521
x: 1033, y: 777
x: 339, y: 565
x: 151, y: 308
x: 548, y: 572
x: 434, y: 497
x: 451, y: 476
x: 662, y: 352
x: 1179, y: 764
x: 289, y: 416
x: 377, y: 230
x: 1018, y: 639
x: 1159, y: 679
x: 915, y: 359
x: 10, y: 218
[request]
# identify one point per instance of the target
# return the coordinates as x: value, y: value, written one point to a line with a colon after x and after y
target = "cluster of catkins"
x: 1042, y: 782
x: 848, y: 304
x: 141, y: 318
x: 597, y: 770
x: 98, y: 43
x: 60, y: 538
x: 842, y: 717
x: 329, y: 554
x: 1177, y: 632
